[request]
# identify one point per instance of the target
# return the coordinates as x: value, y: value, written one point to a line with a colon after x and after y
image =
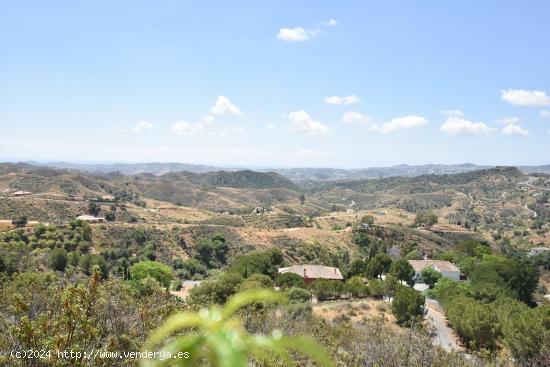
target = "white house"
x: 90, y: 218
x: 446, y: 268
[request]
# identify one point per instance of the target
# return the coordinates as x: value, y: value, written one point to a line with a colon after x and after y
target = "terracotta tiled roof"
x: 313, y: 271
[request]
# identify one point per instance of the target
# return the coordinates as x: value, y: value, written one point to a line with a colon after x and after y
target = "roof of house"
x: 89, y: 217
x: 441, y: 265
x: 313, y: 271
x: 22, y: 193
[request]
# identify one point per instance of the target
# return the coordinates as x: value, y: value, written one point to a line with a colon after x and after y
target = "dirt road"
x: 445, y: 336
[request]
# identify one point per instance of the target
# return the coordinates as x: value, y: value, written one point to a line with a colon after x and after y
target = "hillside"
x: 299, y: 175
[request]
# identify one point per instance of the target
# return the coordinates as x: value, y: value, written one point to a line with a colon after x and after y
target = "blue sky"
x: 276, y: 83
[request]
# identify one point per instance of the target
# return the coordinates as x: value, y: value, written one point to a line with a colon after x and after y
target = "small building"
x: 446, y: 268
x: 90, y: 218
x: 108, y: 198
x: 313, y: 272
x: 21, y: 193
x: 537, y: 251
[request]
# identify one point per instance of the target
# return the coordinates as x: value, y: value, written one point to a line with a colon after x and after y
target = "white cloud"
x: 331, y: 23
x: 142, y: 126
x: 270, y: 126
x: 458, y: 125
x: 399, y: 123
x: 297, y: 34
x: 224, y: 106
x: 513, y: 129
x: 301, y: 122
x: 184, y: 128
x: 544, y: 114
x: 351, y: 99
x: 453, y: 113
x: 509, y: 120
x: 521, y: 97
x: 355, y: 118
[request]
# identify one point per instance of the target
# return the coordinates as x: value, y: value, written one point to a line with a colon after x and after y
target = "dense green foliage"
x: 494, y: 307
x: 42, y: 311
x: 402, y: 270
x: 430, y: 276
x: 289, y: 280
x: 152, y: 269
x: 425, y: 218
x: 407, y: 306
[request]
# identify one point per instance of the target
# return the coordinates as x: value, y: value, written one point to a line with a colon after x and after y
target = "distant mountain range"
x: 294, y: 174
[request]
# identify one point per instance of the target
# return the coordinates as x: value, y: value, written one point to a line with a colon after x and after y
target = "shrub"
x: 407, y: 305
x: 162, y: 273
x: 356, y: 287
x: 289, y: 280
x: 326, y: 289
x: 298, y: 295
x: 58, y: 259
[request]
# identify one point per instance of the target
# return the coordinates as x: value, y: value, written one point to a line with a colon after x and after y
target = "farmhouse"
x: 446, y: 268
x: 313, y: 272
x: 90, y: 218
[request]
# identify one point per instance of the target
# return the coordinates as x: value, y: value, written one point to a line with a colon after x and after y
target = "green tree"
x: 378, y: 265
x: 325, y: 289
x: 357, y: 267
x: 110, y: 216
x: 367, y: 219
x: 402, y: 270
x: 212, y: 252
x: 216, y: 290
x: 430, y: 276
x: 20, y: 221
x: 58, y: 259
x: 289, y: 280
x: 425, y: 218
x: 162, y: 273
x: 93, y: 209
x: 356, y: 287
x: 407, y: 306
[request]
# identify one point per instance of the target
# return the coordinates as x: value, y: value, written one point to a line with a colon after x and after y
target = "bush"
x: 256, y: 281
x: 110, y: 216
x: 298, y: 295
x: 425, y: 218
x: 356, y: 287
x: 289, y: 280
x: 258, y: 262
x: 216, y: 290
x: 325, y: 289
x: 19, y: 221
x: 162, y: 273
x: 58, y: 259
x: 407, y: 305
x: 177, y: 284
